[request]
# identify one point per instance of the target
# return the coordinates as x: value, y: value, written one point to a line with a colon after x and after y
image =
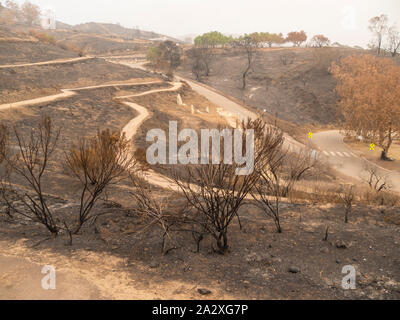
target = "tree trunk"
x: 385, y: 152
x: 222, y: 242
x: 245, y: 75
x: 207, y: 69
x: 244, y: 79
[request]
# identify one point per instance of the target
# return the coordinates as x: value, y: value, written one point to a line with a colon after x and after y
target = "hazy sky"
x: 344, y: 21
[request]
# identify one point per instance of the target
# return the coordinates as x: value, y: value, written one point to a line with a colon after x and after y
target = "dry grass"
x: 323, y: 192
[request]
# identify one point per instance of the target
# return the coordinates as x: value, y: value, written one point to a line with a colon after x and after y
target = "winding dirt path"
x: 131, y: 128
x: 43, y: 63
x: 21, y: 278
x: 66, y: 93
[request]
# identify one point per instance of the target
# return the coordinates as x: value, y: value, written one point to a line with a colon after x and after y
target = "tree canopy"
x: 370, y: 92
x: 166, y: 56
x: 319, y: 41
x: 212, y: 39
x: 297, y: 38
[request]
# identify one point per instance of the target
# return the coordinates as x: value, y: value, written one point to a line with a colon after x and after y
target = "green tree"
x: 212, y: 39
x: 154, y: 56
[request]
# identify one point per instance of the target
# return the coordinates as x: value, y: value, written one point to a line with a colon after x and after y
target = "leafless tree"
x: 375, y: 180
x: 159, y: 212
x: 346, y: 195
x: 249, y: 46
x: 378, y: 26
x: 393, y: 40
x: 287, y: 59
x: 201, y: 58
x: 30, y: 162
x: 3, y: 141
x: 278, y: 177
x: 215, y: 192
x: 97, y: 163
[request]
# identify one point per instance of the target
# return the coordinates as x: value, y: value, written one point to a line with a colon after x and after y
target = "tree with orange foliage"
x: 6, y: 17
x: 272, y: 38
x: 370, y: 91
x: 297, y: 38
x: 30, y: 13
x: 320, y: 41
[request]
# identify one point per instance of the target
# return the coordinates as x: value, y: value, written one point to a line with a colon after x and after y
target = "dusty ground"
x: 12, y: 52
x: 129, y: 264
x: 101, y: 44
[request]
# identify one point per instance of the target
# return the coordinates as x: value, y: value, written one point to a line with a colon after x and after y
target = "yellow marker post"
x: 310, y: 134
x: 372, y: 146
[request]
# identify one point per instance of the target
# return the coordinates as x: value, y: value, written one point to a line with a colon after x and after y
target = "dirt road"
x: 21, y: 279
x: 60, y: 61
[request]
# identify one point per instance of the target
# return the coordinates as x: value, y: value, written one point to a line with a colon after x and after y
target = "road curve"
x: 343, y: 159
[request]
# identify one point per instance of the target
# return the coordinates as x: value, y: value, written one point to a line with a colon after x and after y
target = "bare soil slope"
x: 24, y: 83
x: 293, y: 84
x: 13, y: 52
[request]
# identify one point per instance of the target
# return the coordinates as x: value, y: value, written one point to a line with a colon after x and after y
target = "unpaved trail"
x: 21, y: 279
x: 131, y: 128
x: 66, y: 93
x: 232, y: 110
x: 43, y: 63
